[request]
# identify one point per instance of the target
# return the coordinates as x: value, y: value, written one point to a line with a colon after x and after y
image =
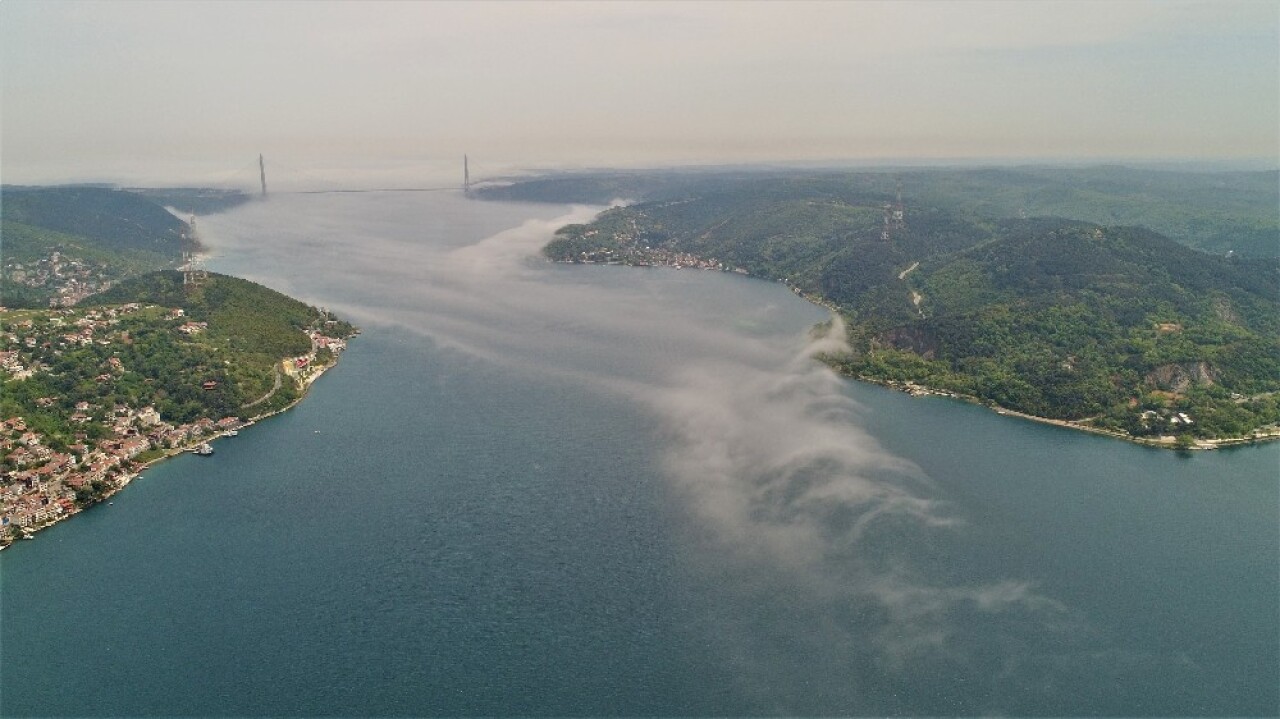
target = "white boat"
x: 204, y: 450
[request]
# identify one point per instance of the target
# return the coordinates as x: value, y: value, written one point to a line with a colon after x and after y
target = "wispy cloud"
x: 786, y: 498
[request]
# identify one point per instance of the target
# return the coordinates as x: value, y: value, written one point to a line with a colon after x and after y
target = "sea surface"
x: 538, y: 489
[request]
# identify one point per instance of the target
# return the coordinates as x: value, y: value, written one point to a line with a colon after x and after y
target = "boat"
x: 233, y: 433
x: 204, y: 450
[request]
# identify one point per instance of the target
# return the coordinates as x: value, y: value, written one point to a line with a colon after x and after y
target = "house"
x: 134, y: 446
x: 149, y: 416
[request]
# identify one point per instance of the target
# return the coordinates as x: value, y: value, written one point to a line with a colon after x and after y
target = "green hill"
x: 196, y: 200
x: 61, y: 244
x: 1217, y: 212
x: 1119, y: 327
x: 116, y: 220
x: 253, y: 324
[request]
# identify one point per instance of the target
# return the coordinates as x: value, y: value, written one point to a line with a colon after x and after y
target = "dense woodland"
x: 1125, y: 299
x: 1218, y: 212
x: 115, y: 220
x: 255, y: 325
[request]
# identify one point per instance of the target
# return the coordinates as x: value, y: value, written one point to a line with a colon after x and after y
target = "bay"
x: 563, y: 490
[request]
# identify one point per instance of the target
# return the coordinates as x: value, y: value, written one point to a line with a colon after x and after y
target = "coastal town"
x: 627, y: 244
x: 75, y: 448
x: 652, y: 257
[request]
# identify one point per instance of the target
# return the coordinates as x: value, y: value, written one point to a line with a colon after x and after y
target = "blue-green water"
x: 545, y: 490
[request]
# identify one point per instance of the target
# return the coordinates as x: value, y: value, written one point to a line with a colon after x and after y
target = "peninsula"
x: 109, y: 363
x: 94, y: 393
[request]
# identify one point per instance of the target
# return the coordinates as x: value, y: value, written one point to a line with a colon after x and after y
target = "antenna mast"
x: 193, y: 272
x: 895, y: 217
x: 899, y: 211
x: 262, y: 170
x: 466, y: 176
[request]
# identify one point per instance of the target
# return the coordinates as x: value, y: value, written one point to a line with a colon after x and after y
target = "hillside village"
x: 65, y: 451
x: 66, y: 279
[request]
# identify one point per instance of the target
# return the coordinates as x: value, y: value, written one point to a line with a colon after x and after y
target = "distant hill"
x: 194, y: 200
x: 601, y: 188
x: 1117, y: 326
x: 1217, y: 212
x: 61, y: 244
x: 40, y: 264
x: 114, y: 219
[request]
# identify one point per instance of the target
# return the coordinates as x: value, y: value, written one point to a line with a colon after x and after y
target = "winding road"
x: 266, y: 396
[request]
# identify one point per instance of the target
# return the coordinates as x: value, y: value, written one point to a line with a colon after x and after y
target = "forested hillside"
x: 195, y: 200
x: 1115, y: 326
x: 59, y: 245
x: 254, y: 324
x: 207, y: 351
x: 1218, y: 212
x: 116, y: 220
x: 89, y: 394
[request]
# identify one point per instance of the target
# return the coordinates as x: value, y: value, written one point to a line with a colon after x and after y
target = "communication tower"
x: 899, y: 212
x: 262, y: 173
x: 193, y: 272
x: 466, y: 176
x: 895, y: 217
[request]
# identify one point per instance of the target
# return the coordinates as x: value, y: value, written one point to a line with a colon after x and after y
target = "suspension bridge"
x: 255, y: 173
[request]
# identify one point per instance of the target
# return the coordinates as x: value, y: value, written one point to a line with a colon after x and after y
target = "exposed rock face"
x: 1224, y: 311
x: 917, y: 339
x: 1180, y: 377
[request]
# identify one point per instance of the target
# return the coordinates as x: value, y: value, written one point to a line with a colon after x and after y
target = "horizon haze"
x: 371, y: 94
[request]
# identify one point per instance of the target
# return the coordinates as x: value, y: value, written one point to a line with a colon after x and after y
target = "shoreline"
x: 136, y: 471
x: 1162, y: 442
x: 918, y: 390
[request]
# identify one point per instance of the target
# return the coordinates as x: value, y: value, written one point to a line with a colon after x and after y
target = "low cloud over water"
x: 834, y: 561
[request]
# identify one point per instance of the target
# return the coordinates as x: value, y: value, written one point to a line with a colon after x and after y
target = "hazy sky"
x: 193, y: 91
